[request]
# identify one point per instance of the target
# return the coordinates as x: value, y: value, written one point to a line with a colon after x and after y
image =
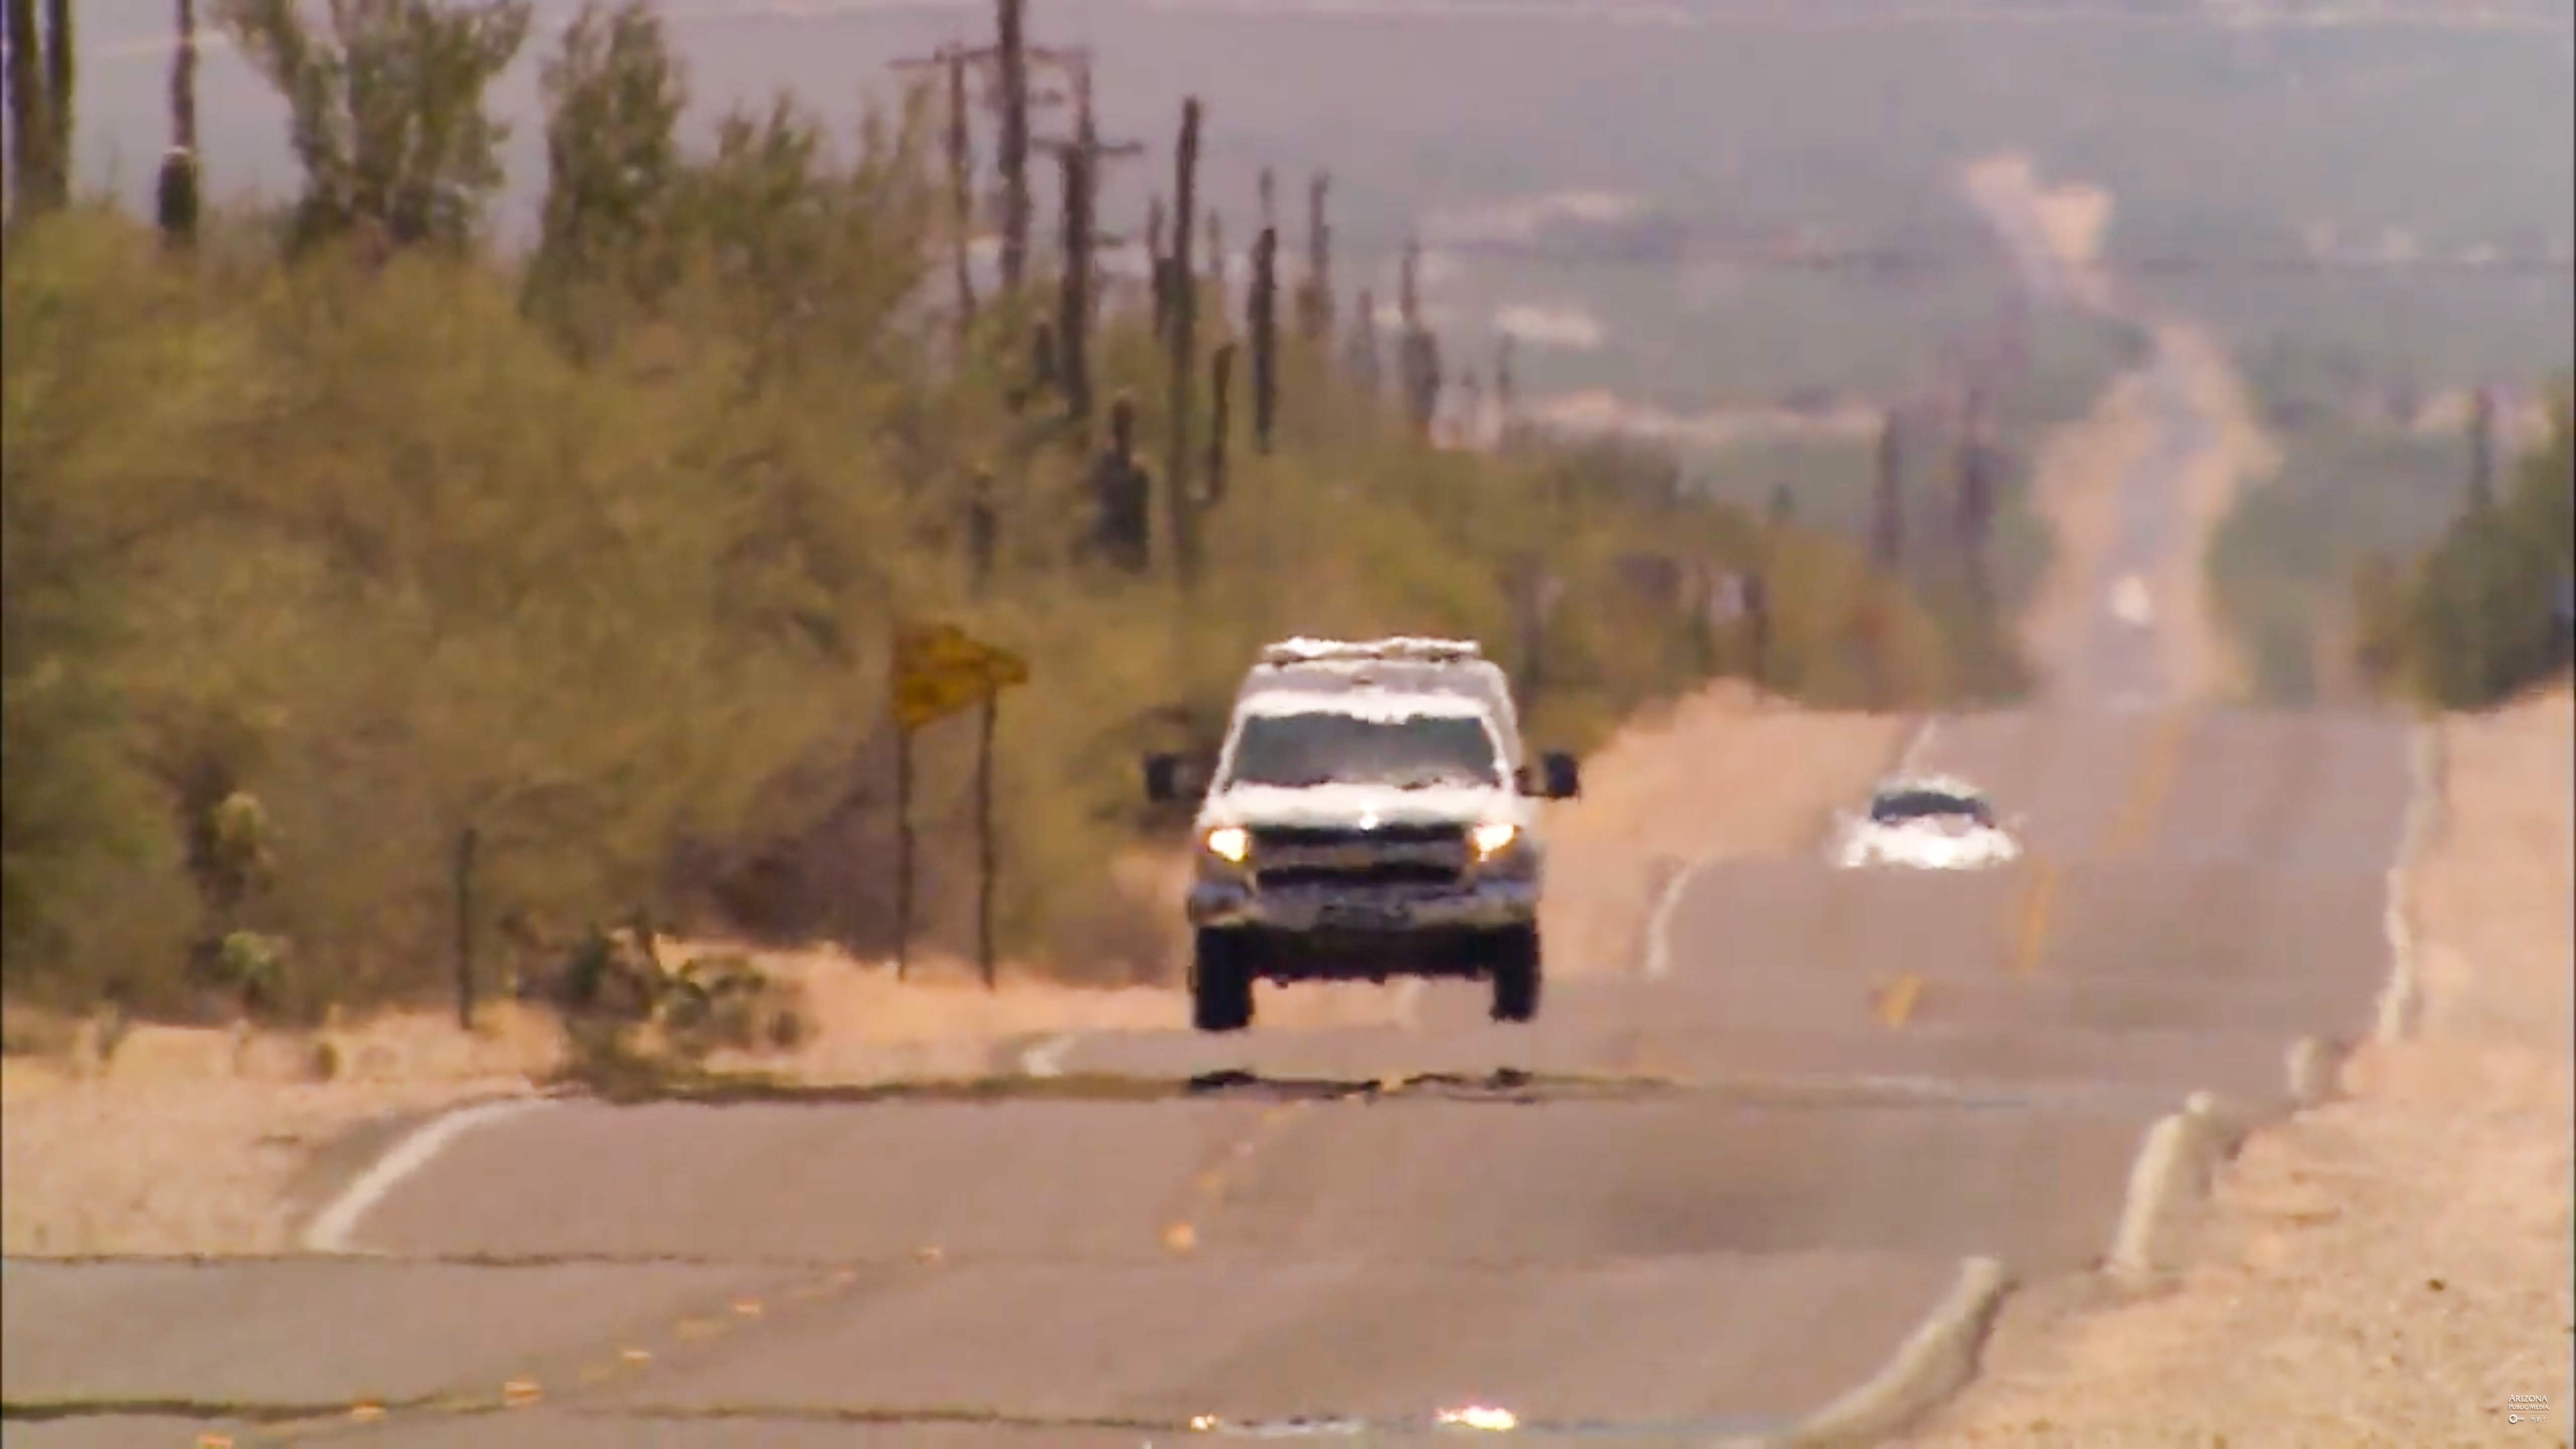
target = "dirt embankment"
x: 193, y: 1141
x: 2392, y: 1269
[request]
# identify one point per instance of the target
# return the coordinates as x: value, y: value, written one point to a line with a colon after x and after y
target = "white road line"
x: 1046, y: 1059
x: 2398, y: 999
x: 329, y: 1232
x: 1659, y: 924
x: 1912, y: 758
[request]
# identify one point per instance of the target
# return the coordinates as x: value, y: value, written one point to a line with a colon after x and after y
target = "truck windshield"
x: 1294, y: 751
x: 1923, y: 804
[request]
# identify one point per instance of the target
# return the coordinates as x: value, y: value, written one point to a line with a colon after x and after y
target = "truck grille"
x: 1381, y: 873
x: 1346, y: 856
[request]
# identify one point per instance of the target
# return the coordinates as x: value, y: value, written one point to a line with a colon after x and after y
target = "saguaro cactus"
x: 1042, y: 377
x: 2482, y: 449
x: 1261, y: 320
x: 40, y: 75
x: 961, y: 195
x: 983, y: 531
x: 1073, y: 297
x: 1216, y: 265
x: 1158, y: 278
x: 1012, y: 154
x: 1362, y: 362
x: 1315, y: 298
x: 1887, y: 532
x: 1506, y: 397
x: 1121, y: 494
x: 1183, y: 342
x: 176, y: 194
x: 1418, y: 360
x: 1220, y: 418
x: 1976, y: 501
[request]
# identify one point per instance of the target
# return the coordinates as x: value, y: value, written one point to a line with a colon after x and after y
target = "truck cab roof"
x: 1401, y: 666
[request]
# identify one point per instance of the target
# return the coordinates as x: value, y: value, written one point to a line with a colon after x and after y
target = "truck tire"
x: 1220, y: 982
x: 1513, y: 955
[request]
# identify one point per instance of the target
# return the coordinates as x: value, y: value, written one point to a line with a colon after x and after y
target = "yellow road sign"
x: 940, y: 671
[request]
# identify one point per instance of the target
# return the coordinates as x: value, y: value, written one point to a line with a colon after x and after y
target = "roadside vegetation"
x: 2384, y: 561
x: 376, y: 602
x: 2483, y: 615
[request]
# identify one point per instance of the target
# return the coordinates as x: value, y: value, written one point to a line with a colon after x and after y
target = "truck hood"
x: 1362, y: 805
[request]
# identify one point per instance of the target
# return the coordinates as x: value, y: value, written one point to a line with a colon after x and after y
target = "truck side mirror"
x: 1162, y: 778
x: 1563, y: 776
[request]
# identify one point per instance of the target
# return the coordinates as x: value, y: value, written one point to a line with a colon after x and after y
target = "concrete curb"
x: 1934, y: 1363
x: 2176, y: 1161
x: 2400, y: 1001
x: 2313, y: 1066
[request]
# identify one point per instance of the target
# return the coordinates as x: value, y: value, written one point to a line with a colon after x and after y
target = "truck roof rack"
x: 1400, y: 647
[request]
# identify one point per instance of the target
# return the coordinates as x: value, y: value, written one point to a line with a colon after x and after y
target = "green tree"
x: 387, y: 110
x: 613, y: 96
x: 2479, y: 616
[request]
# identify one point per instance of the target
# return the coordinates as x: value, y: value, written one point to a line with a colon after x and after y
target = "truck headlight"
x: 1493, y: 838
x: 1229, y: 843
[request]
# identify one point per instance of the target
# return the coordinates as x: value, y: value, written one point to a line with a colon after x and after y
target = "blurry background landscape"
x: 1739, y: 233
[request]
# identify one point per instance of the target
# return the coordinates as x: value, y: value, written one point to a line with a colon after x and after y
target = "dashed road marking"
x: 2030, y: 939
x: 1895, y: 1000
x: 2153, y: 782
x: 1207, y: 1187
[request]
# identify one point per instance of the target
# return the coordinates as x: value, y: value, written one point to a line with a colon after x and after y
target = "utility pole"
x: 2482, y: 450
x: 1080, y: 159
x: 1887, y: 534
x: 1005, y: 68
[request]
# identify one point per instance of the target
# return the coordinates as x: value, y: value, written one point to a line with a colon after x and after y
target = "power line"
x: 1899, y: 262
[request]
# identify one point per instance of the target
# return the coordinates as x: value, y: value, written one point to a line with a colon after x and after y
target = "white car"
x: 1926, y: 822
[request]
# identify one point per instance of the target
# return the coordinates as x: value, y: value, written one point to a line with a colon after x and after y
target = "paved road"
x: 1715, y: 1197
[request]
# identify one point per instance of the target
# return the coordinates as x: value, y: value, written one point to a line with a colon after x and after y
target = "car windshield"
x: 1322, y: 748
x: 1904, y: 805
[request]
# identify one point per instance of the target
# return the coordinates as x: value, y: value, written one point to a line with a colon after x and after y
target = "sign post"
x: 984, y: 840
x: 940, y: 671
x: 902, y: 849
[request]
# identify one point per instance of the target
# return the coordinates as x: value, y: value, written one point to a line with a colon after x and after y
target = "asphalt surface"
x: 1716, y: 1197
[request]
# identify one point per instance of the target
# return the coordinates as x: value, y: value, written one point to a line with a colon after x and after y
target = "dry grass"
x: 2390, y: 1269
x: 187, y: 1140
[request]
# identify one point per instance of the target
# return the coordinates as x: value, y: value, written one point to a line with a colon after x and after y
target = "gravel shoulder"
x: 2393, y: 1268
x: 192, y: 1141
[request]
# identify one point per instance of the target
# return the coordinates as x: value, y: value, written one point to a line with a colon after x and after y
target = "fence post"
x: 466, y: 840
x: 903, y: 849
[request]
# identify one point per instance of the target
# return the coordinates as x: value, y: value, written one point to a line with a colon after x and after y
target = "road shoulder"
x: 2393, y: 1267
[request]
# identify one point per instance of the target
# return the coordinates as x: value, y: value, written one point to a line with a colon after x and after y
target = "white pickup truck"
x: 1368, y: 815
